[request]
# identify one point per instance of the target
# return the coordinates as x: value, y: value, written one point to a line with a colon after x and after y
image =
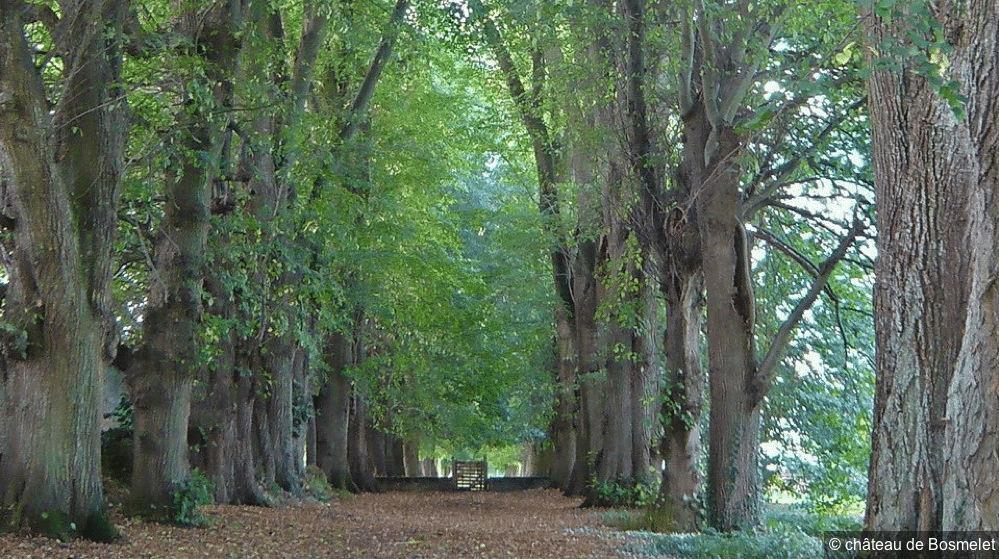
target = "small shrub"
x: 316, y: 484
x: 123, y: 413
x: 624, y: 493
x: 188, y: 497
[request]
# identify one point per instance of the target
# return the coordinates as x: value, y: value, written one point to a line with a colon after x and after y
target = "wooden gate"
x: 470, y: 475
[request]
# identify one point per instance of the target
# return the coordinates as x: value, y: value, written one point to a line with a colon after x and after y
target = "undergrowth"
x: 784, y: 533
x: 624, y: 493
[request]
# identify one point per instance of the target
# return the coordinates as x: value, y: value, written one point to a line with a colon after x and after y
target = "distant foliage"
x: 116, y: 443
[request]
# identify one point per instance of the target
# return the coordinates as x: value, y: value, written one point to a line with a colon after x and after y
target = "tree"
x: 333, y: 400
x: 732, y: 165
x: 606, y: 318
x: 61, y: 150
x: 165, y: 365
x: 822, y: 397
x: 573, y: 448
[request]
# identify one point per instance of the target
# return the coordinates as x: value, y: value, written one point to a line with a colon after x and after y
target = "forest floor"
x: 528, y: 524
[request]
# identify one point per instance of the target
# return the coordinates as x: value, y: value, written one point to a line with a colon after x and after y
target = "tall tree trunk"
x: 574, y: 460
x: 733, y: 464
x: 395, y: 456
x: 161, y: 377
x: 591, y: 384
x: 411, y: 456
x: 362, y: 467
x: 589, y: 442
x: 272, y: 153
x: 682, y: 402
x: 264, y: 453
x: 274, y: 345
x: 614, y: 463
x: 64, y: 164
x: 584, y: 344
x: 281, y: 353
x: 333, y: 413
x: 922, y: 171
x: 969, y: 495
x: 561, y: 432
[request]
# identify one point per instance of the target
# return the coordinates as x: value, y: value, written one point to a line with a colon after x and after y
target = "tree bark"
x: 970, y: 497
x: 922, y: 164
x: 161, y: 377
x: 733, y: 478
x: 273, y: 347
x: 411, y: 456
x: 585, y: 338
x: 591, y: 384
x: 395, y: 455
x: 561, y: 432
x: 720, y: 62
x: 362, y: 468
x: 682, y: 402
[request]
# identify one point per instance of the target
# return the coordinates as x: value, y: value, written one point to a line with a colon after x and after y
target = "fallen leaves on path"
x: 529, y: 524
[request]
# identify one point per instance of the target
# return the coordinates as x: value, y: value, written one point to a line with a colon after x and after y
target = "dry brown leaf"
x: 530, y: 524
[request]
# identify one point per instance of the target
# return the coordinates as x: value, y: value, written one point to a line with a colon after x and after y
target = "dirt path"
x: 530, y: 524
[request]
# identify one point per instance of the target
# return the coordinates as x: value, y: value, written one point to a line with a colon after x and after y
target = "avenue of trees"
x: 724, y: 250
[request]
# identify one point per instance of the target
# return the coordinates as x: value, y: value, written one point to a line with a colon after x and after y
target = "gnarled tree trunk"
x: 733, y: 464
x: 682, y: 402
x: 62, y: 161
x: 221, y: 422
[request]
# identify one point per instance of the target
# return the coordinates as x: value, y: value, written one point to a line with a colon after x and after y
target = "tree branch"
x: 367, y: 91
x: 313, y: 27
x: 686, y: 85
x: 777, y: 175
x: 788, y: 250
x: 527, y: 106
x: 765, y: 373
x: 811, y: 268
